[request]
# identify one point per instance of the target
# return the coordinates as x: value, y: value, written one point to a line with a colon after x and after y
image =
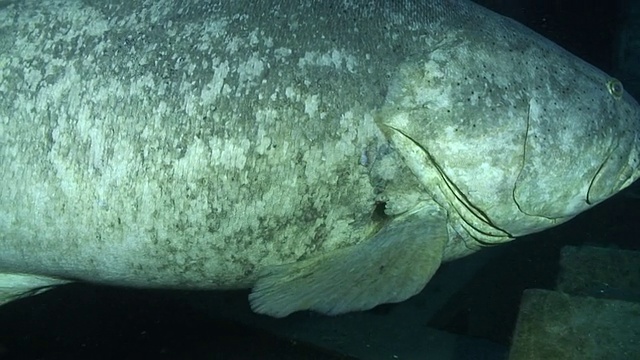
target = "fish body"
x: 330, y: 155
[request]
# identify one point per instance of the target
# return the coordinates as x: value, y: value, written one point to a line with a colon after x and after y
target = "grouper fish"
x: 329, y: 155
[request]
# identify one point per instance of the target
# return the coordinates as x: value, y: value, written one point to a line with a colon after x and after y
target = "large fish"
x: 328, y: 154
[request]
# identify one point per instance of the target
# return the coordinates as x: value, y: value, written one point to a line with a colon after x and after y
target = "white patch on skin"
x: 264, y: 142
x: 311, y: 105
x: 226, y: 153
x: 364, y: 159
x: 212, y: 29
x: 251, y: 69
x: 212, y: 90
x: 193, y: 162
x: 281, y: 53
x: 233, y: 45
x: 291, y: 93
x: 253, y: 38
x: 334, y: 58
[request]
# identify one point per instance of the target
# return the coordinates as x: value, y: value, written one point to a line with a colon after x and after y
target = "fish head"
x: 508, y: 131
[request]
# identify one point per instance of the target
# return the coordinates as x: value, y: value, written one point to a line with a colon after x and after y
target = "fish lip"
x: 627, y: 175
x: 628, y: 172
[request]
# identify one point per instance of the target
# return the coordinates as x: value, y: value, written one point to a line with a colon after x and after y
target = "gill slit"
x: 461, y: 197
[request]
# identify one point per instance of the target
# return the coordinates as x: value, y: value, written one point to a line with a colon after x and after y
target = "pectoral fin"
x: 15, y: 286
x: 393, y: 265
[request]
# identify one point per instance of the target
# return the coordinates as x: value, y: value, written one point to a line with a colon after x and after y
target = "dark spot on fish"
x: 378, y: 213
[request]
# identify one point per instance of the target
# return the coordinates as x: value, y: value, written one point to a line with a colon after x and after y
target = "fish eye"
x: 615, y: 88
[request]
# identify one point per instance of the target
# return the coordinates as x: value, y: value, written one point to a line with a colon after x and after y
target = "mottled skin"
x: 186, y: 162
x: 195, y: 144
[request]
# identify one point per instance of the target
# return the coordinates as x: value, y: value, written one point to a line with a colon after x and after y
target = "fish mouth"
x: 610, y: 177
x: 621, y: 167
x: 590, y: 162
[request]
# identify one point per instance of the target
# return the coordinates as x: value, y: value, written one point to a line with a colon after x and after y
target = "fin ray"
x: 393, y: 265
x: 16, y: 286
